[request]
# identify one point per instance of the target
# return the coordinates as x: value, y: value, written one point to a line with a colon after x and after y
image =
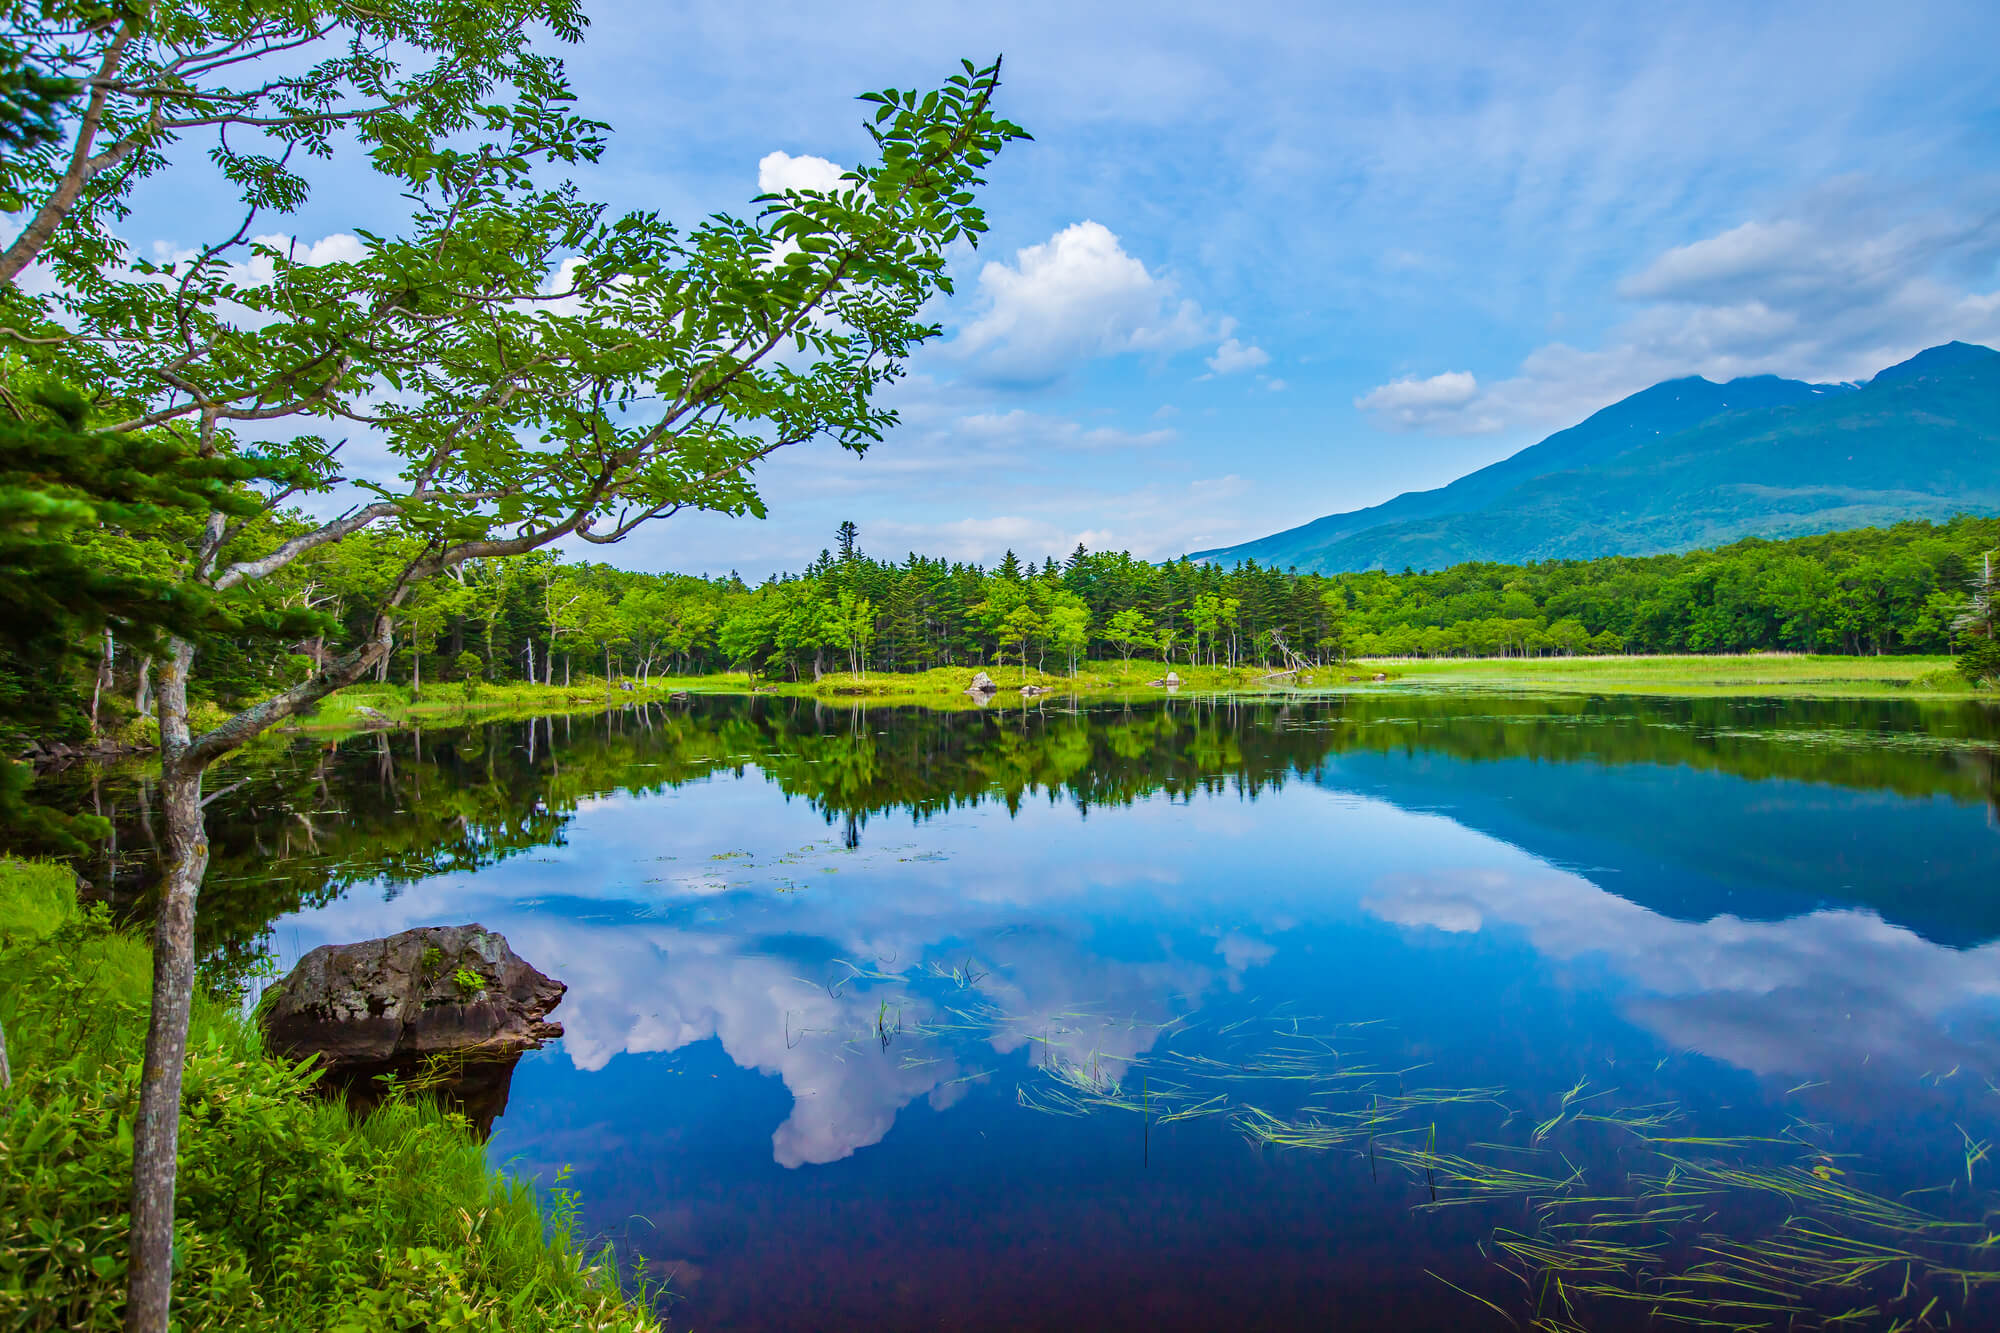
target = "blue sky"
x: 1265, y: 262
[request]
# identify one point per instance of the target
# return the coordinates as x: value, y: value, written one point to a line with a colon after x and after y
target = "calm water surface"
x: 1338, y: 1012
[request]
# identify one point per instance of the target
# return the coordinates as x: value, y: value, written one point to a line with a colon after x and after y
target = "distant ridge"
x: 1688, y: 463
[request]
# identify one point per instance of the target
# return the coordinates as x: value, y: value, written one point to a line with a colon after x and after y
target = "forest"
x: 1909, y: 588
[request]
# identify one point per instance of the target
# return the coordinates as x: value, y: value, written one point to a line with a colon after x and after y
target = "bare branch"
x: 245, y: 571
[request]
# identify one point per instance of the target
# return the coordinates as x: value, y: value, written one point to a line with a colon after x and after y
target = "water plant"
x: 1732, y: 1231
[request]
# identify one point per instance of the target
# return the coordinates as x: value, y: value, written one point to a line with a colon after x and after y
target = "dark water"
x: 1329, y: 1013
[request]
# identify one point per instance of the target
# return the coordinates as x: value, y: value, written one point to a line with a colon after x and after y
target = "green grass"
x: 943, y: 687
x: 1760, y: 674
x: 947, y: 685
x: 36, y: 898
x: 291, y: 1213
x: 1714, y: 674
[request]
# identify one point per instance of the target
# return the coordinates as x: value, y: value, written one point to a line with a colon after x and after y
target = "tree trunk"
x: 565, y: 670
x: 549, y: 662
x: 6, y: 1074
x: 156, y: 1132
x: 103, y: 681
x: 528, y: 650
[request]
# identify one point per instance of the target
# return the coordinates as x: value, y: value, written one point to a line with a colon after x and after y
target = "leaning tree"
x: 538, y: 369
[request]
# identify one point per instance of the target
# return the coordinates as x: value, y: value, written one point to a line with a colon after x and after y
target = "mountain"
x: 1691, y: 463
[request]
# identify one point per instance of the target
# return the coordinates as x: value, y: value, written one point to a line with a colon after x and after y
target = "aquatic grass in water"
x: 1708, y: 1231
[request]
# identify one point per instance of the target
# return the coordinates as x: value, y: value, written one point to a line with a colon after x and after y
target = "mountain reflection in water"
x: 889, y: 1017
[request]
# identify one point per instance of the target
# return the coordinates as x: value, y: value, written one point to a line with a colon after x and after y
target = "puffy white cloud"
x: 1413, y: 404
x: 779, y: 171
x: 256, y: 269
x: 1075, y: 296
x: 1235, y: 355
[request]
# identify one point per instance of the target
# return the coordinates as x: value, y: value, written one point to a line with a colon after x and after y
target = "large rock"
x: 982, y: 684
x: 430, y: 991
x: 451, y: 1003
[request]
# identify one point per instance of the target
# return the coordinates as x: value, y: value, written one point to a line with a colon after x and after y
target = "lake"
x: 1363, y: 1010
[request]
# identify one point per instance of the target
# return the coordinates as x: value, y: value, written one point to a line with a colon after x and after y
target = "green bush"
x: 290, y: 1212
x: 1979, y: 661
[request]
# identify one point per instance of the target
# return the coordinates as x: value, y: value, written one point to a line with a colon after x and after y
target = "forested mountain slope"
x: 1689, y: 463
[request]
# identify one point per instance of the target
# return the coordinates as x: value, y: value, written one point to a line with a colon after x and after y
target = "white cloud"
x: 1836, y: 291
x: 1752, y: 252
x: 1410, y: 403
x: 254, y: 270
x: 338, y: 248
x: 1235, y: 355
x: 1034, y: 430
x: 778, y: 172
x: 1076, y: 296
x: 1749, y: 992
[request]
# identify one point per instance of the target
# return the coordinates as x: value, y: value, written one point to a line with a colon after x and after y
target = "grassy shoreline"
x: 291, y: 1212
x: 1750, y: 675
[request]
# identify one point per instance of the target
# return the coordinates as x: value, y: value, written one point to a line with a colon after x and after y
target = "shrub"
x: 290, y: 1212
x: 1979, y: 661
x: 472, y: 671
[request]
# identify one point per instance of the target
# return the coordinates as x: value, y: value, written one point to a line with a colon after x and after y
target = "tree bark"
x: 103, y: 681
x: 142, y: 693
x: 156, y: 1133
x: 83, y: 166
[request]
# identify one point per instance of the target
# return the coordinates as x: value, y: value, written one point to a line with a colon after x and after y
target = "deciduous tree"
x: 538, y: 369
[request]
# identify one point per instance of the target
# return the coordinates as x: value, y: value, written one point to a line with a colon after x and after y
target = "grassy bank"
x: 944, y: 687
x: 290, y: 1213
x: 1745, y: 674
x: 1766, y: 674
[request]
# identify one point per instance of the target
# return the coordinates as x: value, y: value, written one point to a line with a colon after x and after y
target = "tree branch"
x: 28, y: 246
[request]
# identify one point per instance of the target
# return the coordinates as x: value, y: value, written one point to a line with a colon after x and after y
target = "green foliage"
x: 290, y: 1212
x: 1979, y: 662
x: 36, y: 897
x: 469, y: 982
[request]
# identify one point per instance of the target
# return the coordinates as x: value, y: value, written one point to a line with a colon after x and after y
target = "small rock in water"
x: 1032, y: 690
